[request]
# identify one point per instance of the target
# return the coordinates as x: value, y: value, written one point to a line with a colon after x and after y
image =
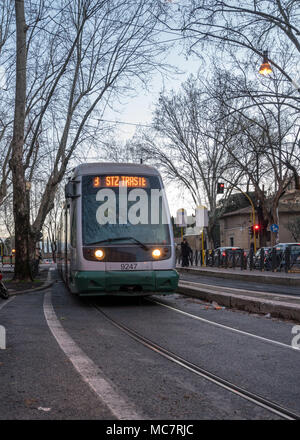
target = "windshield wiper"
x: 109, y: 240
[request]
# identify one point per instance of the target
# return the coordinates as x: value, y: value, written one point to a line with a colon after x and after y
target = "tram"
x: 115, y: 235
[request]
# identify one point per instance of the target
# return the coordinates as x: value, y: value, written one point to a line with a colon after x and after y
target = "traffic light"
x: 256, y: 229
x: 250, y: 229
x: 220, y: 188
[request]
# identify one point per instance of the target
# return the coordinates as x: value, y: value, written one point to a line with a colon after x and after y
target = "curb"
x: 42, y: 287
x: 266, y: 279
x: 277, y: 309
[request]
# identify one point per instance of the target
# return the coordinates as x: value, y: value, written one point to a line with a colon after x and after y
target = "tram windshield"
x: 123, y: 209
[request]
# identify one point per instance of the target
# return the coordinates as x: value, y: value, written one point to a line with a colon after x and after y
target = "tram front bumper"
x: 124, y: 282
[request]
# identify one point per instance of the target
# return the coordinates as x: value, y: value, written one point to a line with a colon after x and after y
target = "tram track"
x: 222, y: 326
x: 256, y: 399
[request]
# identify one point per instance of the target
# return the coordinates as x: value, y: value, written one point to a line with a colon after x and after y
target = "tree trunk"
x: 20, y: 195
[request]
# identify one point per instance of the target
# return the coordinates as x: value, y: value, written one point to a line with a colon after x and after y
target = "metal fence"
x: 274, y: 261
x: 7, y: 259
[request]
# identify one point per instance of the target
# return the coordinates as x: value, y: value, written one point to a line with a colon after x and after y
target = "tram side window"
x: 73, y: 228
x: 68, y: 227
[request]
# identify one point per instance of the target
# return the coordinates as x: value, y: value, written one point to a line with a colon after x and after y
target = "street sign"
x: 201, y: 217
x: 274, y: 227
x: 181, y: 218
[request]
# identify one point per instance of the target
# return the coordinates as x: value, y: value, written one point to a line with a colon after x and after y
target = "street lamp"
x: 265, y: 68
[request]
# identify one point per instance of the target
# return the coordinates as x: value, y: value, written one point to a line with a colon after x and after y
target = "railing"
x: 274, y: 260
x: 7, y: 259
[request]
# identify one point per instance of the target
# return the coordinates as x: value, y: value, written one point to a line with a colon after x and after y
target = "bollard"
x: 226, y: 259
x: 274, y: 259
x: 191, y: 256
x: 219, y: 258
x: 251, y: 255
x: 242, y: 259
x: 262, y: 259
x: 206, y: 257
x: 287, y: 259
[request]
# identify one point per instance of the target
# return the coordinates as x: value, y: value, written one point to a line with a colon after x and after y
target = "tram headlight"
x: 156, y: 253
x: 99, y: 254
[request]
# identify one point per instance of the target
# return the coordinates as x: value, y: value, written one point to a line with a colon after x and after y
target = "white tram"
x: 115, y: 235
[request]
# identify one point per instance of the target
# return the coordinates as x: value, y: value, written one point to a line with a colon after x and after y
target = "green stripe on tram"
x: 113, y: 281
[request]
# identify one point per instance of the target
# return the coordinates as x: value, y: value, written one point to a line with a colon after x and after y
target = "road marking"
x: 216, y: 324
x: 89, y: 371
x: 3, y: 329
x: 2, y: 337
x: 6, y: 302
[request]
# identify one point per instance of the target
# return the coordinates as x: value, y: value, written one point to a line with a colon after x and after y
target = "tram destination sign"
x: 116, y: 181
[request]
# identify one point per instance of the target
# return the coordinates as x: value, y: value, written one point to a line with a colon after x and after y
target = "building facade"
x: 234, y: 226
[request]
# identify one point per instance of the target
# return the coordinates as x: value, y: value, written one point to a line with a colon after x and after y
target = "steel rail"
x: 241, y: 392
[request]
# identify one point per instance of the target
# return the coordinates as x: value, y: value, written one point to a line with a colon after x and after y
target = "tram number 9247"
x: 115, y: 235
x: 128, y: 266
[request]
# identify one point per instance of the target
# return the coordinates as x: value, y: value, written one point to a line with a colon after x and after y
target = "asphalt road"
x: 65, y: 360
x: 240, y: 284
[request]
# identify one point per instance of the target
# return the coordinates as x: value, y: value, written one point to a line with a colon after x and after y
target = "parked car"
x: 257, y: 256
x: 47, y: 260
x: 294, y: 254
x: 231, y: 251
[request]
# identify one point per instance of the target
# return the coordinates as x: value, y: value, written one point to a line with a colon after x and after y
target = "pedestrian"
x: 185, y: 253
x: 177, y: 253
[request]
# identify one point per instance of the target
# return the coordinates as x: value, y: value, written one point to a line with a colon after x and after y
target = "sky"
x: 138, y: 110
x: 2, y: 78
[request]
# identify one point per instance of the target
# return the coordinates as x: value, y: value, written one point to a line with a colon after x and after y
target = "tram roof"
x: 116, y: 168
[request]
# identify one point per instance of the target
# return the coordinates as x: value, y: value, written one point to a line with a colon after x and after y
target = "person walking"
x: 185, y: 252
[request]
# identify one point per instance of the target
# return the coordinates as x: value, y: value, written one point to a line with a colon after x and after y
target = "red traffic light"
x: 220, y: 188
x: 256, y: 229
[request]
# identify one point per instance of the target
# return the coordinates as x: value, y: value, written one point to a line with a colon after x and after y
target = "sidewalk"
x: 268, y: 277
x: 269, y: 304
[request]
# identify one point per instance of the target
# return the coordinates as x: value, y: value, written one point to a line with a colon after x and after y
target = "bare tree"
x: 265, y: 140
x: 180, y: 147
x: 81, y: 55
x: 252, y: 25
x: 115, y: 150
x: 20, y: 199
x: 6, y: 119
x: 294, y: 228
